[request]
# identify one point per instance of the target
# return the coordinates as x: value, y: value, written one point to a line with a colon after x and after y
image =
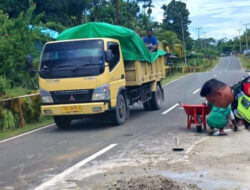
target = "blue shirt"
x: 150, y: 40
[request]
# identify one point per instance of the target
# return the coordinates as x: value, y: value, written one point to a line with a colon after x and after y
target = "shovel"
x: 177, y: 148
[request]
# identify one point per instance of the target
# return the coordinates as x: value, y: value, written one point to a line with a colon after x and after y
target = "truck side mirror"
x: 108, y: 55
x: 29, y: 62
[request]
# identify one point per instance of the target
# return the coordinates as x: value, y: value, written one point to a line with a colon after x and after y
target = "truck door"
x: 117, y: 72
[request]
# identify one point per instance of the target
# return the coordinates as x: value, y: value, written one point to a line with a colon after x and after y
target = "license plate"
x: 69, y: 109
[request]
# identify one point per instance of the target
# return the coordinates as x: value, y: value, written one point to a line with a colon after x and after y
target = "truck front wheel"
x: 120, y: 112
x: 62, y: 122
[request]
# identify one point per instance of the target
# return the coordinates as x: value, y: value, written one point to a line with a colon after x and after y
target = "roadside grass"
x: 7, y: 133
x: 179, y: 75
x: 212, y: 64
x: 245, y: 62
x: 17, y: 91
x: 173, y: 77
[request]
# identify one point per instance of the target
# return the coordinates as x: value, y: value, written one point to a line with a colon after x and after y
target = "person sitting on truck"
x: 221, y: 95
x: 151, y: 41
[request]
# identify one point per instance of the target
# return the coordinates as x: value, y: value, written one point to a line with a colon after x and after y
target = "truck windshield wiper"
x: 83, y: 66
x: 61, y: 66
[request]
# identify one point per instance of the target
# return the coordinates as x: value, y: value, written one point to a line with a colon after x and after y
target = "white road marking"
x: 241, y: 65
x: 62, y: 175
x: 170, y: 109
x: 215, y: 75
x: 180, y: 108
x: 26, y: 133
x: 185, y: 157
x: 194, y: 92
x: 192, y: 147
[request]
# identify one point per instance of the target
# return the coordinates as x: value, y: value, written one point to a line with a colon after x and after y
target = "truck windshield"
x: 72, y: 59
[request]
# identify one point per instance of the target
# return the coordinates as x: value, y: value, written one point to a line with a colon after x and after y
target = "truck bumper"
x: 75, y: 109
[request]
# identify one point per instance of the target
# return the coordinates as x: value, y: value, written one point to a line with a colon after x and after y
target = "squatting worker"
x: 222, y: 95
x: 151, y: 41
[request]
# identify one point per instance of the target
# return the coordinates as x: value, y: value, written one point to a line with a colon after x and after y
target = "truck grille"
x: 71, y: 96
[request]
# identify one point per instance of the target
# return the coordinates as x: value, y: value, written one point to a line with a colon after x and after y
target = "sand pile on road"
x: 150, y: 183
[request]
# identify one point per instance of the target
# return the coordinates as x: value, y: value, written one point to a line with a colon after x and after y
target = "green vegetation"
x: 21, y: 34
x: 18, y: 91
x: 211, y: 64
x: 173, y: 77
x: 182, y: 70
x: 10, y: 132
x: 245, y: 60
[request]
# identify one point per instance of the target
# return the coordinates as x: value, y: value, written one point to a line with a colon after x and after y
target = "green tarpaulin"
x: 133, y: 48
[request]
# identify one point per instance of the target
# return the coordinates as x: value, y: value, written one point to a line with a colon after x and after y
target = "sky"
x: 216, y: 18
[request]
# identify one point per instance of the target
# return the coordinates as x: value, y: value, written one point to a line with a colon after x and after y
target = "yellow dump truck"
x: 89, y: 76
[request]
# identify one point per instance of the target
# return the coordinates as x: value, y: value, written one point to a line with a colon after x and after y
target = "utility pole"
x: 198, y: 29
x: 246, y: 35
x: 127, y: 14
x: 183, y: 39
x: 117, y: 12
x: 205, y: 41
x: 239, y: 39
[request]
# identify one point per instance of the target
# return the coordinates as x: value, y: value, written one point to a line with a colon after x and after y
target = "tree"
x: 172, y: 18
x: 14, y: 7
x: 170, y: 42
x: 17, y: 40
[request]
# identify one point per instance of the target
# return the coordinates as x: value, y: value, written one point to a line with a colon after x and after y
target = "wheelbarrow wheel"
x: 199, y: 128
x: 246, y: 125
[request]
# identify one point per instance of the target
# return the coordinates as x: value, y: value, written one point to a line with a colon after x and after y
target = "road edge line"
x: 177, y: 79
x: 29, y: 132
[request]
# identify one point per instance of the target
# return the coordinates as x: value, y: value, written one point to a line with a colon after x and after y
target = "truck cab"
x: 85, y: 77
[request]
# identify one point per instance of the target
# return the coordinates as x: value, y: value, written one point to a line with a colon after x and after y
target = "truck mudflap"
x: 75, y: 109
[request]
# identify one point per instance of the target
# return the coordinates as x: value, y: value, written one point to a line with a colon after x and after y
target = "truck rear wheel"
x: 156, y: 101
x: 62, y: 122
x: 147, y: 105
x: 157, y: 98
x: 120, y: 113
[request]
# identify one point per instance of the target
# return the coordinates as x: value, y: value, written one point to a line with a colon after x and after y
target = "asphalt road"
x: 31, y: 160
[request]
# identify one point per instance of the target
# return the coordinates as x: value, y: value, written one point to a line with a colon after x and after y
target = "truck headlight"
x: 45, y: 96
x: 101, y: 93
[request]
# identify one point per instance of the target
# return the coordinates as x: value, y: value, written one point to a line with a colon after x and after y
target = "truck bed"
x: 138, y: 73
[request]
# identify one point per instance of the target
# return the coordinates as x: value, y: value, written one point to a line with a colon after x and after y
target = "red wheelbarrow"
x: 196, y: 114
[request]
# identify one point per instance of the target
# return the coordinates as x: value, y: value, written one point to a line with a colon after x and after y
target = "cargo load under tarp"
x: 133, y: 48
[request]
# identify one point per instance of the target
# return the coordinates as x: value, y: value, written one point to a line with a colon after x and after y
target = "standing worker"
x: 151, y: 41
